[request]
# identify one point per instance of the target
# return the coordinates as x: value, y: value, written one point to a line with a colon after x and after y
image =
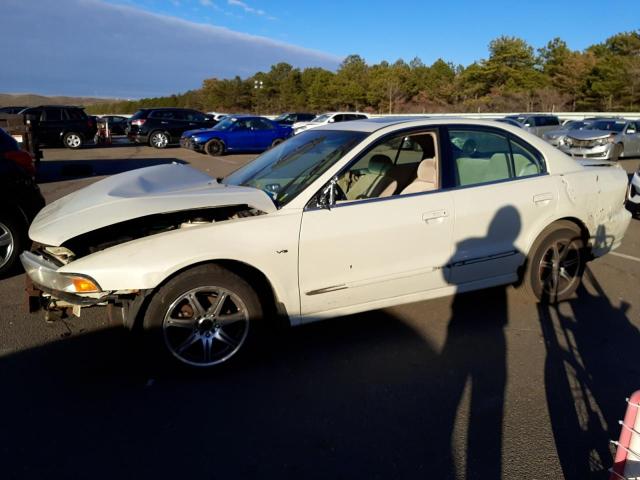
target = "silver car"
x: 606, y: 139
x: 536, y: 123
x: 556, y: 137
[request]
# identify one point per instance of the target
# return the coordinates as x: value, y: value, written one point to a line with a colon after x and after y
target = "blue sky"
x: 136, y: 48
x: 458, y: 31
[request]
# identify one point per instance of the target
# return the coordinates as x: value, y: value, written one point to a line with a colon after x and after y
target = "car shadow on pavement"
x: 59, y: 170
x: 356, y: 397
x: 591, y: 367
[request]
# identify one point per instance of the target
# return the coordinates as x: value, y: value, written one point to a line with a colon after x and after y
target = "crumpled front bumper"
x: 603, y: 152
x: 45, y: 276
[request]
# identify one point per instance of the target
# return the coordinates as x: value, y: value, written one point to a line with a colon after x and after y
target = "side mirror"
x: 527, y: 124
x: 631, y: 131
x: 331, y: 120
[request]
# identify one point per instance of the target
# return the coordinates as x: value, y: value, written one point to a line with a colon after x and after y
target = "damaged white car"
x: 341, y: 219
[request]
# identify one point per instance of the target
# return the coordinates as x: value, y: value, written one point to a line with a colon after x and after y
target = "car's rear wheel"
x: 204, y: 317
x: 556, y: 263
x: 276, y: 142
x: 159, y: 140
x: 72, y: 140
x: 214, y: 147
x: 12, y: 241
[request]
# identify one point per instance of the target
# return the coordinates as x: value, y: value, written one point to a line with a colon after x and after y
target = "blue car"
x: 236, y: 133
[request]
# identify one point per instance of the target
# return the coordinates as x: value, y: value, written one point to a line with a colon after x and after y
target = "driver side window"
x: 398, y: 165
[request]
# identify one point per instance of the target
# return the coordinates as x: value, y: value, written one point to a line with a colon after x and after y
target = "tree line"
x: 515, y: 77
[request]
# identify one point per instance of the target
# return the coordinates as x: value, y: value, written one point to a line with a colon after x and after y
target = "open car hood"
x: 138, y: 193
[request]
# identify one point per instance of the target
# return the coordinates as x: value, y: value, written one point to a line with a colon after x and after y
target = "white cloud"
x: 88, y: 47
x: 247, y: 8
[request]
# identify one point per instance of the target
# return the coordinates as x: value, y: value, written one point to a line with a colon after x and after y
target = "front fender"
x: 268, y: 243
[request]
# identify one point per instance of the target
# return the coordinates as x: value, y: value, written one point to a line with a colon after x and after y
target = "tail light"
x: 22, y: 159
x: 139, y: 122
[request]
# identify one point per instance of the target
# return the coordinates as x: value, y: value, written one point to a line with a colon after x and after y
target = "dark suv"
x: 55, y: 125
x: 160, y: 127
x: 20, y: 200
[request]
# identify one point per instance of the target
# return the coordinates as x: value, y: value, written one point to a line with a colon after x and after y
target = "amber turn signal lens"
x: 84, y: 285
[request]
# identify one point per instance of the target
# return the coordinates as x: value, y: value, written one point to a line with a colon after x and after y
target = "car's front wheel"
x: 214, y: 147
x: 618, y: 150
x: 72, y: 140
x: 159, y: 140
x: 205, y: 316
x: 556, y: 263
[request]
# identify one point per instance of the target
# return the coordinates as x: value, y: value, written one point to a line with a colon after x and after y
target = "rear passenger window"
x: 526, y: 161
x: 52, y: 114
x: 479, y: 156
x: 193, y: 116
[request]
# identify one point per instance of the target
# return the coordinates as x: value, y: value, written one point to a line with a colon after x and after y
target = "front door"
x: 388, y: 240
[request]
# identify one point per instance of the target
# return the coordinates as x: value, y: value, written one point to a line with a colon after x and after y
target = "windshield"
x: 225, y: 124
x: 286, y: 170
x: 576, y: 125
x: 610, y: 125
x: 321, y: 118
x: 284, y: 116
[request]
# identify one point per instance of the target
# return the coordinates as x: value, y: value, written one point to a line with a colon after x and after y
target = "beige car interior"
x: 413, y: 171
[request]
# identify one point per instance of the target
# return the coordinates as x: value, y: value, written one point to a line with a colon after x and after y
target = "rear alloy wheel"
x: 203, y: 317
x: 555, y: 268
x: 159, y: 140
x: 214, y: 147
x: 72, y: 140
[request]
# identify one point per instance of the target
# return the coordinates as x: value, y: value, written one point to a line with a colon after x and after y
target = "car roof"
x: 371, y: 125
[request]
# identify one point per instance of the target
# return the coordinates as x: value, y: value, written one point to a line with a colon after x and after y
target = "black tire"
x: 556, y: 263
x: 13, y: 240
x: 72, y: 140
x: 215, y: 148
x: 175, y: 331
x: 277, y: 142
x: 159, y: 139
x: 617, y: 152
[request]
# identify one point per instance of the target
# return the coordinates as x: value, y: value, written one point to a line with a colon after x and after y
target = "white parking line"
x: 622, y: 255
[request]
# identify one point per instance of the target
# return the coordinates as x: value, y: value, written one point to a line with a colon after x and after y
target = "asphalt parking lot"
x: 484, y: 385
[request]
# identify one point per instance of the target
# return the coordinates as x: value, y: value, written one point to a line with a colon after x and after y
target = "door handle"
x: 436, y: 216
x: 542, y: 198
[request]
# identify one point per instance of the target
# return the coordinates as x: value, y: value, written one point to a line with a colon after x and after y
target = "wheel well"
x: 273, y: 309
x: 584, y: 231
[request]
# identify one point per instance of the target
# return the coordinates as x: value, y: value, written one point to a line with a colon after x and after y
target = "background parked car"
x: 160, y: 127
x: 291, y: 118
x: 325, y: 118
x: 556, y: 137
x: 633, y: 196
x: 509, y: 121
x: 20, y: 201
x: 66, y: 125
x: 606, y: 139
x: 537, y: 124
x: 237, y: 133
x: 12, y: 110
x: 217, y: 116
x: 117, y: 124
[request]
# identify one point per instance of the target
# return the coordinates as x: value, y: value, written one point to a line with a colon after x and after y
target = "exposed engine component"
x: 123, y: 232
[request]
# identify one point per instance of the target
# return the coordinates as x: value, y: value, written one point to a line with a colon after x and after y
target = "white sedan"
x: 327, y: 118
x: 341, y: 219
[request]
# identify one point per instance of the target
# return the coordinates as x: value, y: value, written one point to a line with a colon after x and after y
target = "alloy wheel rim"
x: 160, y: 140
x: 73, y: 141
x: 559, y: 268
x: 6, y: 244
x: 205, y: 326
x: 215, y: 148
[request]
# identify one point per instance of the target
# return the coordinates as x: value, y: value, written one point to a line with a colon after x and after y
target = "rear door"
x: 501, y: 194
x: 51, y: 125
x: 264, y: 133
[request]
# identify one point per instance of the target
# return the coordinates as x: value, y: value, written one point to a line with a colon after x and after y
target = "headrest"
x: 427, y: 170
x: 470, y: 147
x: 428, y: 146
x: 379, y: 164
